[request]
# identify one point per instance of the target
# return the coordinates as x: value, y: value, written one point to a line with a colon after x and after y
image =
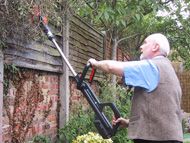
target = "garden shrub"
x: 123, y: 103
x: 81, y: 123
x: 91, y: 138
x: 40, y: 139
x: 186, y: 123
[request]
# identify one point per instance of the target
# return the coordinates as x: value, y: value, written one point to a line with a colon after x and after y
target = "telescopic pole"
x: 52, y: 38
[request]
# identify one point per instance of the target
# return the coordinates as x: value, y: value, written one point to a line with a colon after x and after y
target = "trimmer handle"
x: 117, y: 115
x: 83, y: 75
x: 103, y: 131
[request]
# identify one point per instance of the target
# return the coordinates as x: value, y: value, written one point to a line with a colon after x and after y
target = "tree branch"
x: 95, y: 11
x: 122, y: 39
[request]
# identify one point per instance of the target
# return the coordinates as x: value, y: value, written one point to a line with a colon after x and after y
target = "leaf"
x: 138, y: 17
x: 106, y: 15
x: 123, y: 23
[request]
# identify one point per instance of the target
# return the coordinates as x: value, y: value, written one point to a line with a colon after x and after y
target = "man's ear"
x: 156, y: 48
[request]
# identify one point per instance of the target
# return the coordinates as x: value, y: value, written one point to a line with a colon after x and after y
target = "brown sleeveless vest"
x: 157, y: 115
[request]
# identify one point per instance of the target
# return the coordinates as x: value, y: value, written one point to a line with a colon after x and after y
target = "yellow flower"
x: 91, y: 137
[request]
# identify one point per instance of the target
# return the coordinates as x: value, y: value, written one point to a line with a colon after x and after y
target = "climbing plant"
x: 18, y: 17
x: 21, y: 100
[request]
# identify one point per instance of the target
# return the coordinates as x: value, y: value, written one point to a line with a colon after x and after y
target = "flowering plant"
x: 91, y: 137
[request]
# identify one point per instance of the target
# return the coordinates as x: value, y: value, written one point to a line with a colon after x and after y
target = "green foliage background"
x: 81, y: 122
x: 126, y: 22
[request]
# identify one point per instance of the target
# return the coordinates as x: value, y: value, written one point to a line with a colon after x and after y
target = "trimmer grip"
x: 116, y: 114
x: 85, y: 70
x: 115, y: 110
x: 92, y: 74
x: 83, y: 75
x: 102, y: 130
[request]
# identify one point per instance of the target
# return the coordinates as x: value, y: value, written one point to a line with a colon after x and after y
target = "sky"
x: 184, y: 11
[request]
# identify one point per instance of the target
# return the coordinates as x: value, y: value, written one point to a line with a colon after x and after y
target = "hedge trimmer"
x: 104, y: 127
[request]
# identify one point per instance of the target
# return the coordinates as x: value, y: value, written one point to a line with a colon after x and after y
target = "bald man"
x: 156, y: 112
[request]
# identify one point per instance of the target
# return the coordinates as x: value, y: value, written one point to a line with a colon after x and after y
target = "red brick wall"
x: 77, y: 98
x: 45, y: 119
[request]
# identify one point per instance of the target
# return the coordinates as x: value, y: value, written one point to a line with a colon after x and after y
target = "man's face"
x: 146, y: 48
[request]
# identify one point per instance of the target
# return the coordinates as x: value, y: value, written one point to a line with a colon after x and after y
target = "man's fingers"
x: 91, y: 61
x: 115, y: 121
x: 123, y: 122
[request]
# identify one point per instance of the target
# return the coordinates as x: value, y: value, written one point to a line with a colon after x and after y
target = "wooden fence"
x: 1, y: 94
x: 184, y: 77
x: 80, y: 42
x: 185, y: 84
x: 85, y: 42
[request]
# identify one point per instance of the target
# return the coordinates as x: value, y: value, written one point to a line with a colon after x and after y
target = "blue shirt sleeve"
x: 142, y: 73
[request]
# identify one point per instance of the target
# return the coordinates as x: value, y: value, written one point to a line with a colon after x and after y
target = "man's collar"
x: 157, y: 57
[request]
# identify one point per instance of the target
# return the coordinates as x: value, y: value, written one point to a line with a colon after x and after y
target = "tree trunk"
x: 114, y: 56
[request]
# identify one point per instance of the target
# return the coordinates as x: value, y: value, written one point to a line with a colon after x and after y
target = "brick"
x: 45, y: 85
x: 51, y: 131
x: 54, y: 98
x: 52, y: 79
x: 53, y: 92
x: 46, y: 126
x: 75, y: 98
x: 12, y: 92
x: 46, y: 78
x: 6, y: 129
x: 6, y: 138
x: 54, y: 86
x: 52, y: 118
x: 41, y: 107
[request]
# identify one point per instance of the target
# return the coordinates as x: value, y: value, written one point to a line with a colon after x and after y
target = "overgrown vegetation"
x: 126, y: 23
x: 11, y: 73
x: 81, y: 123
x: 19, y: 18
x: 40, y: 139
x: 186, y: 123
x: 21, y: 100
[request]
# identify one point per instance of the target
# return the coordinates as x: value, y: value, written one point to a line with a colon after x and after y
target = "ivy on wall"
x: 22, y: 103
x: 18, y: 17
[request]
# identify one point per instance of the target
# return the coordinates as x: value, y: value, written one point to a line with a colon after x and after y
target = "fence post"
x: 64, y: 78
x: 1, y: 94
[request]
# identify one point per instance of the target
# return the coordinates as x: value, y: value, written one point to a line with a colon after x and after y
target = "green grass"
x: 186, y: 136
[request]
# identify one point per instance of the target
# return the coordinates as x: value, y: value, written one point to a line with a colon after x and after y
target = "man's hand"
x: 123, y: 122
x: 108, y: 66
x: 93, y: 62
